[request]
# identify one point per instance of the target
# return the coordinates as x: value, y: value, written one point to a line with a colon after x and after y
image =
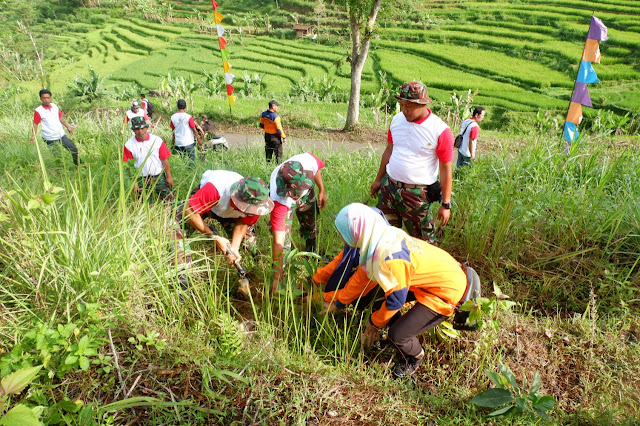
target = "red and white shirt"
x: 144, y: 104
x: 418, y: 146
x: 148, y: 154
x: 49, y: 118
x: 215, y: 195
x: 182, y: 123
x: 471, y: 130
x: 282, y: 205
x: 141, y: 113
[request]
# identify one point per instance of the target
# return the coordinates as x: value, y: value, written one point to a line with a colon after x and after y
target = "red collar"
x: 422, y: 120
x: 148, y: 137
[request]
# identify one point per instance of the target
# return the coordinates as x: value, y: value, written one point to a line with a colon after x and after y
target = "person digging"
x: 233, y: 201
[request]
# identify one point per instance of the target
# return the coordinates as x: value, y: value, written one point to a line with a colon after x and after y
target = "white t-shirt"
x: 182, y: 129
x: 466, y: 126
x: 52, y: 129
x: 414, y: 159
x: 309, y: 163
x: 146, y: 155
x: 223, y: 180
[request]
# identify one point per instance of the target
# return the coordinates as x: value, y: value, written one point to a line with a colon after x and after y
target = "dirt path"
x: 238, y: 141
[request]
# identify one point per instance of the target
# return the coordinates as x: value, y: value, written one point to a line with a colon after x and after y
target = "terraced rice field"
x: 516, y: 56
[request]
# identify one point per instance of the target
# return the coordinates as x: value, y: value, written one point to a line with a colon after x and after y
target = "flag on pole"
x: 224, y: 54
x: 586, y: 75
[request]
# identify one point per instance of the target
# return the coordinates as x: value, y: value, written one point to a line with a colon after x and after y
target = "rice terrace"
x: 130, y: 293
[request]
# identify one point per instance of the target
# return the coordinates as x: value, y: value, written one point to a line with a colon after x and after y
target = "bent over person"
x: 407, y: 269
x: 49, y: 115
x: 274, y: 135
x: 419, y: 146
x: 233, y: 201
x: 291, y: 189
x: 150, y: 155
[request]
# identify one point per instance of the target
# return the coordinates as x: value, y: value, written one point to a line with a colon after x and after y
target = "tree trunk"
x: 359, y: 50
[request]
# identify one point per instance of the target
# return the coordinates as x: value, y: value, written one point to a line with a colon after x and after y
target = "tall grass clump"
x: 554, y: 225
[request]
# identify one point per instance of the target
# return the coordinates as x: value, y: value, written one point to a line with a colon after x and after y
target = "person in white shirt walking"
x: 135, y: 111
x: 52, y: 125
x: 184, y: 132
x: 469, y: 129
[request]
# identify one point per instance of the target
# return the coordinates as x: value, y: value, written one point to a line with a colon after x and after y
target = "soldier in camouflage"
x: 235, y: 202
x: 420, y: 145
x: 292, y: 190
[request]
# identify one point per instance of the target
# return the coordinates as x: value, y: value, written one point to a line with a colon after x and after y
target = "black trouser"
x: 404, y: 329
x: 273, y: 145
x: 68, y: 145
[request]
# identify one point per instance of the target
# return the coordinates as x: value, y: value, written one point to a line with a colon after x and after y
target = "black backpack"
x: 149, y: 107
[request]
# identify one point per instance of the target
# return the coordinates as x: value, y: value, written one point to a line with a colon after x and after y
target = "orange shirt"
x: 358, y: 285
x: 436, y: 279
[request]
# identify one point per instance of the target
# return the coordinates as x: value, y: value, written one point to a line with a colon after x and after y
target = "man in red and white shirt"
x: 234, y: 201
x: 469, y: 129
x: 150, y: 155
x: 52, y: 121
x: 291, y: 189
x: 135, y: 111
x: 420, y: 145
x: 184, y: 132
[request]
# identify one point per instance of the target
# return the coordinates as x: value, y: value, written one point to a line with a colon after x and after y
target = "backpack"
x: 457, y: 143
x: 149, y: 107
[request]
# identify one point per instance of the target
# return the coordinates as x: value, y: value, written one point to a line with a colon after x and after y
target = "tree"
x: 362, y: 18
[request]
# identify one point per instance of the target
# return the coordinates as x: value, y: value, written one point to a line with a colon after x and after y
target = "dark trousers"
x: 189, y: 151
x: 403, y: 330
x: 68, y: 145
x: 273, y: 145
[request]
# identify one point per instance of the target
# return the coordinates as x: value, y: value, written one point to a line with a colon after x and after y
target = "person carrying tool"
x: 291, y: 189
x: 407, y: 269
x: 234, y: 201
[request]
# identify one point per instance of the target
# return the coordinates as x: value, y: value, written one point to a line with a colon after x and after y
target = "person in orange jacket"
x: 407, y: 269
x: 274, y: 135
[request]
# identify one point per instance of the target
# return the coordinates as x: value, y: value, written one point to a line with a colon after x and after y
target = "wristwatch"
x: 447, y: 205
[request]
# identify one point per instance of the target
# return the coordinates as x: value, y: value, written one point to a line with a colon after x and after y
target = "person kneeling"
x: 407, y: 269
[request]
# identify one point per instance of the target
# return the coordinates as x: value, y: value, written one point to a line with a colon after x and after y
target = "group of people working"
x: 378, y: 255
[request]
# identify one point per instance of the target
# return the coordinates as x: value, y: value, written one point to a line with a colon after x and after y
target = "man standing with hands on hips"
x: 420, y: 145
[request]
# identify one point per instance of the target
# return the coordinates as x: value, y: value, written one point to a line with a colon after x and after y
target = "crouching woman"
x: 407, y: 269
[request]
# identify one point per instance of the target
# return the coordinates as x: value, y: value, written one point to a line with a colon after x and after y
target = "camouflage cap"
x: 251, y: 196
x: 414, y: 91
x: 293, y: 180
x: 138, y: 123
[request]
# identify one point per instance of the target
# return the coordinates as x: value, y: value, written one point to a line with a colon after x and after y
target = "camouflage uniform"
x: 156, y: 183
x: 292, y: 181
x: 410, y: 206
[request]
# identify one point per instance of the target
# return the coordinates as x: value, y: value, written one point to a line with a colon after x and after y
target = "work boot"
x: 406, y: 366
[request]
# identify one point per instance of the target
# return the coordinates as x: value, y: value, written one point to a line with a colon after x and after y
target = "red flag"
x: 223, y: 43
x: 229, y: 89
x: 214, y: 4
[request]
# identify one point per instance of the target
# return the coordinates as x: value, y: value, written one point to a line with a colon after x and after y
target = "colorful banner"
x: 586, y: 75
x: 224, y: 54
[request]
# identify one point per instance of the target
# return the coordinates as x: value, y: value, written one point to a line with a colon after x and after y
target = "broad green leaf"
x: 20, y: 415
x: 508, y: 374
x: 467, y: 306
x: 495, y: 378
x: 70, y: 406
x: 15, y: 382
x: 3, y: 405
x: 447, y: 329
x: 501, y: 411
x: 541, y: 414
x: 535, y: 385
x: 71, y: 359
x: 84, y: 363
x: 48, y: 198
x: 545, y: 403
x: 493, y: 397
